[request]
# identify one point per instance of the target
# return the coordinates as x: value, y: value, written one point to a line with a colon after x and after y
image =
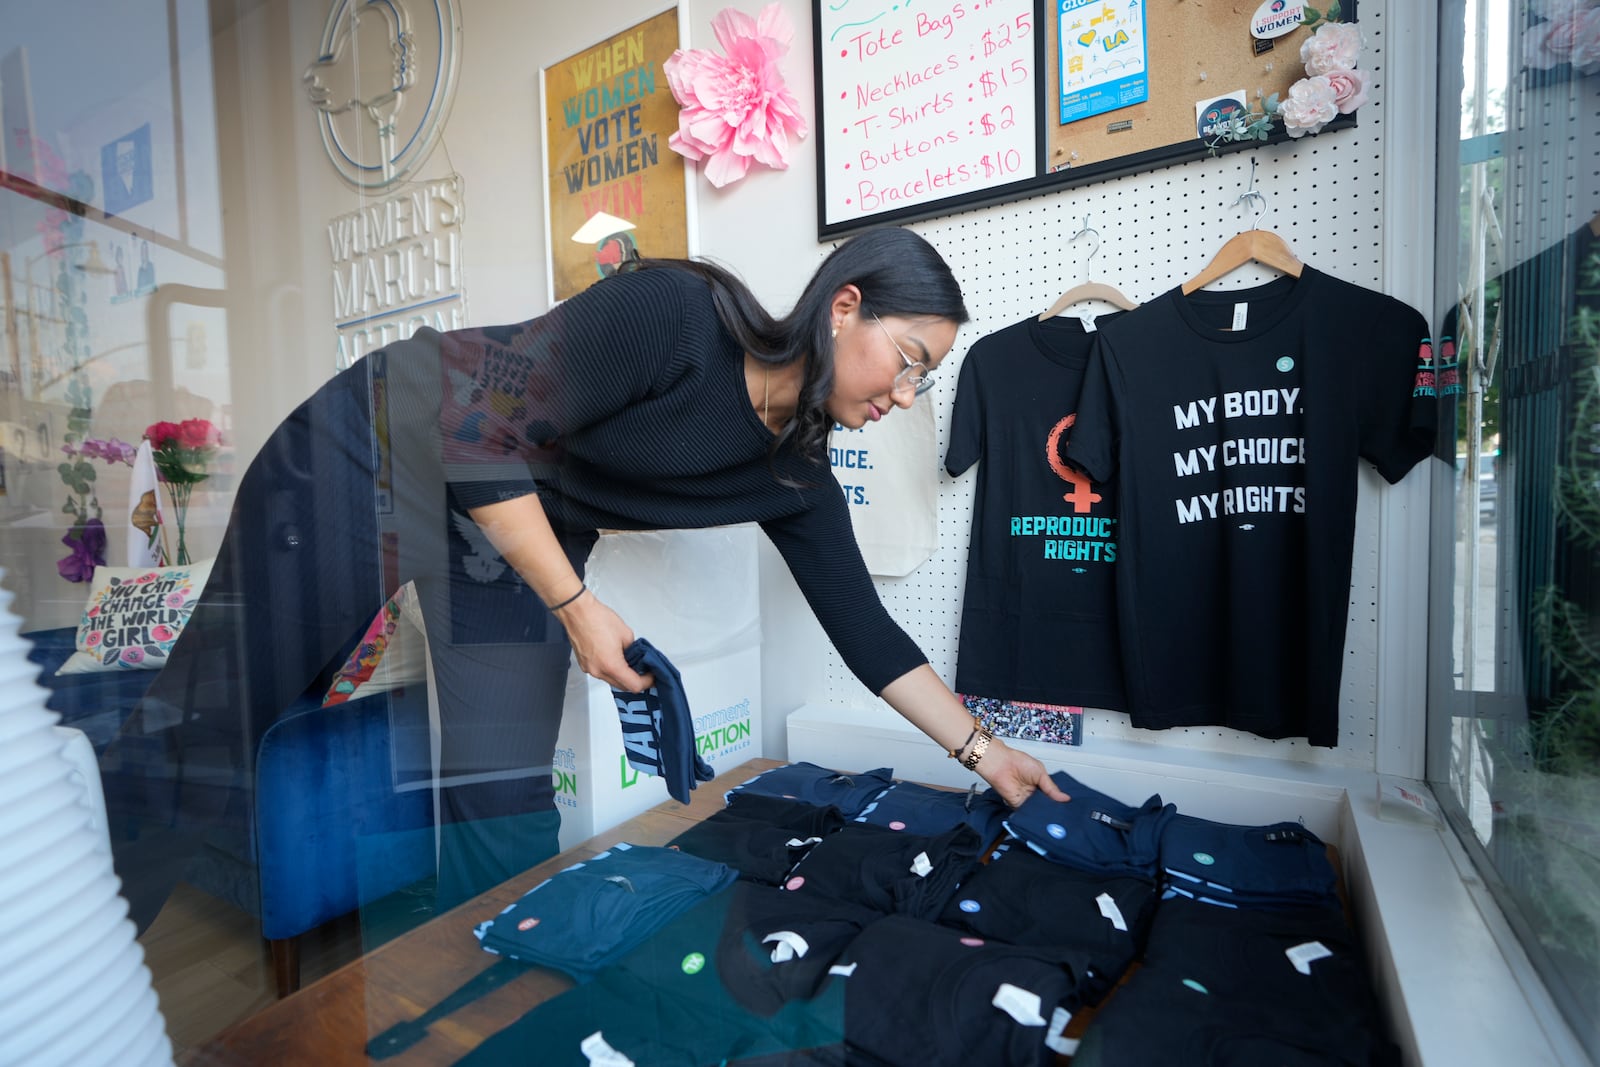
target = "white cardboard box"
x: 694, y: 595
x: 595, y: 787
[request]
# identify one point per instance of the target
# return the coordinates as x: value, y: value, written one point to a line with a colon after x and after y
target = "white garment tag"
x: 920, y: 866
x: 1053, y: 1039
x: 789, y: 946
x: 1241, y: 312
x: 846, y: 969
x: 797, y: 842
x: 1305, y: 954
x: 602, y: 1054
x: 1019, y: 1003
x: 1087, y: 317
x: 1109, y: 909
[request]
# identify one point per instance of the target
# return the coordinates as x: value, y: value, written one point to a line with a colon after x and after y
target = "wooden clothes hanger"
x: 1253, y: 245
x: 1088, y: 290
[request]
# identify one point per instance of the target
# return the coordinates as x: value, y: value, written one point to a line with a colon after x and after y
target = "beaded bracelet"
x: 955, y: 753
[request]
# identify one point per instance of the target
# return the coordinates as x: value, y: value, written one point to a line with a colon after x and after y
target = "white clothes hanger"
x: 1253, y: 245
x: 1088, y: 289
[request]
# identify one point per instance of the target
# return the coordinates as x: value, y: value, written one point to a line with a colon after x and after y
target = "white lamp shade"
x: 74, y: 990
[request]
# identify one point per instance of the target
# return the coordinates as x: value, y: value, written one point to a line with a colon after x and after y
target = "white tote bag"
x: 889, y: 473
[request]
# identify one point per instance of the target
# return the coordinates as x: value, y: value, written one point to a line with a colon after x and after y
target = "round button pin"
x: 1056, y: 830
x: 970, y: 906
x: 693, y: 963
x: 527, y: 924
x: 1285, y: 364
x: 1205, y: 857
x: 795, y: 883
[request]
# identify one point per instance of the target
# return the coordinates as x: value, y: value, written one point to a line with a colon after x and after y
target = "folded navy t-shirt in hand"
x: 657, y: 730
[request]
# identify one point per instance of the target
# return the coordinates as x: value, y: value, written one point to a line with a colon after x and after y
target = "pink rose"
x: 145, y: 578
x: 93, y: 640
x: 1309, y: 107
x: 133, y: 655
x: 160, y: 433
x: 1349, y: 89
x: 198, y: 434
x: 1335, y: 46
x: 175, y: 600
x: 162, y: 632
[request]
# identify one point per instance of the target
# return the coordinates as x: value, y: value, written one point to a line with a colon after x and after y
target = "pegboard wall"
x: 1157, y: 230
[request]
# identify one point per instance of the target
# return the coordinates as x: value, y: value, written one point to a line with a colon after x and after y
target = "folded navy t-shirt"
x: 657, y: 729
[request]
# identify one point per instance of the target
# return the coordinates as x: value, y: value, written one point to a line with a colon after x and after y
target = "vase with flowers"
x: 181, y: 451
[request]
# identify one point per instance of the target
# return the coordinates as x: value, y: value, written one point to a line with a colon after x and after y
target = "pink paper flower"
x: 1310, y: 105
x: 1569, y: 34
x: 736, y: 108
x: 1349, y: 89
x: 1335, y: 46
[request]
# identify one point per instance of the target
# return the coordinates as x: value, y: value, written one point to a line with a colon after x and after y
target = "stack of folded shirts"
x: 887, y: 870
x: 761, y: 837
x: 1092, y: 831
x: 1279, y: 866
x: 1283, y: 988
x: 818, y: 785
x: 1023, y: 899
x: 922, y: 809
x: 593, y: 913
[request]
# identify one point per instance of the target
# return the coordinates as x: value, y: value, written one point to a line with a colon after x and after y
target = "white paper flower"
x: 1310, y: 105
x: 1335, y: 46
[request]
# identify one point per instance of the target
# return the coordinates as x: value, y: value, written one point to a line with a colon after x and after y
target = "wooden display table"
x: 329, y: 1022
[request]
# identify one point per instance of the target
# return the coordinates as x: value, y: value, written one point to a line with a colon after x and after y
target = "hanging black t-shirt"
x: 1037, y: 621
x: 1234, y: 451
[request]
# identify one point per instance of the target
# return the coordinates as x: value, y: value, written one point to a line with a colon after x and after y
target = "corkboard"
x: 1186, y: 40
x: 872, y: 79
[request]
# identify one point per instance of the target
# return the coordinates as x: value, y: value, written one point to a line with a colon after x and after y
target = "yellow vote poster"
x: 614, y: 185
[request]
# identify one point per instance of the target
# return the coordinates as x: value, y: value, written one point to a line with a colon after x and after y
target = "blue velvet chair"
x: 336, y: 815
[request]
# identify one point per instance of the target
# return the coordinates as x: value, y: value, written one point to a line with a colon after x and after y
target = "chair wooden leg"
x: 286, y: 964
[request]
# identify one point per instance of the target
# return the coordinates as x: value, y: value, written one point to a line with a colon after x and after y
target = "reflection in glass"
x: 1514, y: 730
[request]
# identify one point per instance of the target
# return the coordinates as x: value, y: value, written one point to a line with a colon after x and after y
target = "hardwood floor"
x: 211, y: 967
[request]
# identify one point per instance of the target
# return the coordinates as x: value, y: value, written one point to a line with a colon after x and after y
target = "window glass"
x: 1514, y: 729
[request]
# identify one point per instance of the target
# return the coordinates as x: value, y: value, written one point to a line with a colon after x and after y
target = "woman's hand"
x: 599, y: 638
x: 1015, y: 774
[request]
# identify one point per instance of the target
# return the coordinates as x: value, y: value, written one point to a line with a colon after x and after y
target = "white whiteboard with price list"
x: 922, y: 102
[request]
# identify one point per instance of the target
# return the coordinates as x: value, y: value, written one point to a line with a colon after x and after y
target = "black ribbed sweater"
x: 626, y: 408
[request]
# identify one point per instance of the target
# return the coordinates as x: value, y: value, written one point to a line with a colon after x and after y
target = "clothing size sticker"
x: 1109, y: 909
x: 1305, y: 954
x: 1021, y: 1004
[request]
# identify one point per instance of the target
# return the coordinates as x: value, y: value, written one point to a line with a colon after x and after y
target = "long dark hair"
x: 898, y: 273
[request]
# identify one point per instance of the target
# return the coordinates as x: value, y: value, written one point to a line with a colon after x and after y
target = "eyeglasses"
x: 914, y: 375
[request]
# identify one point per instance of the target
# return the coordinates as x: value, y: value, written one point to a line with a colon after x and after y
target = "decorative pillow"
x: 392, y: 653
x: 134, y: 616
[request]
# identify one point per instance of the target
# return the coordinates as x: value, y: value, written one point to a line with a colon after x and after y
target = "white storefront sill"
x: 1455, y: 985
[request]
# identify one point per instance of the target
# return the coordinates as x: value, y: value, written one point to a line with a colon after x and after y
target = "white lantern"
x: 74, y: 989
